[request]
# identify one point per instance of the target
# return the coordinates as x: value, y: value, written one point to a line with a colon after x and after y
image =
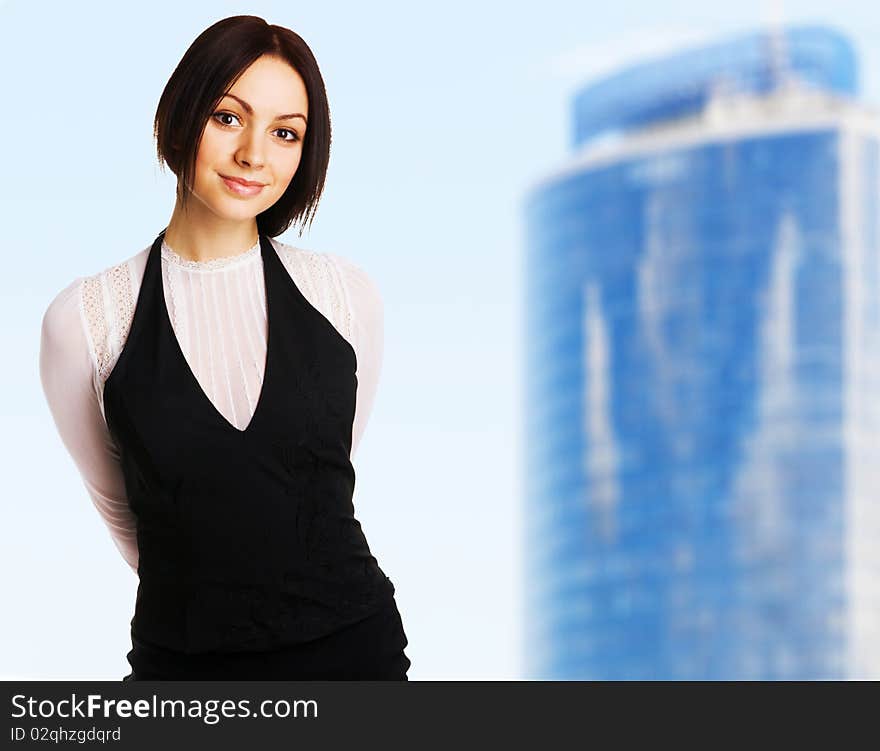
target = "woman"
x: 213, y: 387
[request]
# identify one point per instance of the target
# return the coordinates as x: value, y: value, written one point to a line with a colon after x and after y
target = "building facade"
x: 702, y: 373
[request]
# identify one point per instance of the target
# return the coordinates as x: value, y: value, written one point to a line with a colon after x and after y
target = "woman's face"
x: 255, y: 133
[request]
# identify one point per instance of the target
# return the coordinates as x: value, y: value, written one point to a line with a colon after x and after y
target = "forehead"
x: 271, y: 85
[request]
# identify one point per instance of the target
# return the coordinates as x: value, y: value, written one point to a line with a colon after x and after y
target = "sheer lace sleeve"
x: 69, y: 373
x: 366, y: 326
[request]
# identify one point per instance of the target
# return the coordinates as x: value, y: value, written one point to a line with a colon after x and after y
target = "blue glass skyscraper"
x: 702, y: 360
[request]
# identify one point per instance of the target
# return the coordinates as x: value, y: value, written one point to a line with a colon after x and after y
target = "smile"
x: 241, y: 190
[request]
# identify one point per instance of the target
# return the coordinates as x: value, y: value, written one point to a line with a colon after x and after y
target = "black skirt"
x: 369, y: 650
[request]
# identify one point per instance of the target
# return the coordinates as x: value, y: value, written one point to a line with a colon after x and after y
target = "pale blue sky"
x: 442, y: 118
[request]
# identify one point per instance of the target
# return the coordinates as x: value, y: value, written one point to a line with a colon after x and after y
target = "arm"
x: 67, y: 372
x: 367, y: 337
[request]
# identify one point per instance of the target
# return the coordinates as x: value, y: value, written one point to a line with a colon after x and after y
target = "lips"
x: 241, y: 188
x: 248, y: 183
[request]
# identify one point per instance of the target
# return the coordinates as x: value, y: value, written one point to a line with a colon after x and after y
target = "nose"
x: 250, y: 152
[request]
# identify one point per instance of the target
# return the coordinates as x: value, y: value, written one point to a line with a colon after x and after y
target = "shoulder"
x: 65, y: 360
x: 130, y: 269
x: 106, y: 301
x: 62, y: 317
x: 70, y: 305
x: 332, y: 267
x: 341, y: 289
x: 360, y: 287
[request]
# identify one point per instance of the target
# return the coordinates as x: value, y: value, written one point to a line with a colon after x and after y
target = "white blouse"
x: 218, y: 312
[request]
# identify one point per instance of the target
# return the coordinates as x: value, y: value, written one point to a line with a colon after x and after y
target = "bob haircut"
x: 208, y: 69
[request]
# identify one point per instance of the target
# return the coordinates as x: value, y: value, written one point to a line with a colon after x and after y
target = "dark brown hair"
x: 208, y: 69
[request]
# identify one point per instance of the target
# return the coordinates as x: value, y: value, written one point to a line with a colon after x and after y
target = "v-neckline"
x: 166, y: 318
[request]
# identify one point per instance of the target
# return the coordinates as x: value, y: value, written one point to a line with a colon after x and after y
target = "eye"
x: 217, y: 115
x: 294, y: 137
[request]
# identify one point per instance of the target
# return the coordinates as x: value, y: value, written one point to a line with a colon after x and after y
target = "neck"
x: 197, y: 234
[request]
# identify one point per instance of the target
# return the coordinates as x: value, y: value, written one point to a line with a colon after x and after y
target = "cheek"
x: 204, y: 174
x: 291, y: 166
x: 212, y: 145
x: 206, y: 155
x: 283, y: 171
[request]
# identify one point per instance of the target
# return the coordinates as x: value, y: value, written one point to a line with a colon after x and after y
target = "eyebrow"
x: 250, y: 110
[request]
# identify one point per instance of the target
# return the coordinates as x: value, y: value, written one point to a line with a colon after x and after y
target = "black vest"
x: 247, y: 538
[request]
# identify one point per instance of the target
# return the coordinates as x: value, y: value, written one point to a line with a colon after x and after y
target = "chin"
x: 231, y: 209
